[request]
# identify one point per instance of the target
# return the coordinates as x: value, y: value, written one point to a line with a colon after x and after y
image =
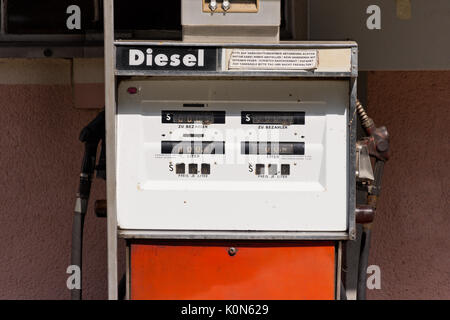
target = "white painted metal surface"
x: 269, y: 14
x: 111, y: 129
x: 260, y: 26
x: 312, y: 197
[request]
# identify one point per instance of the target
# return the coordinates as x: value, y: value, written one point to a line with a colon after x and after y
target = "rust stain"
x: 404, y: 10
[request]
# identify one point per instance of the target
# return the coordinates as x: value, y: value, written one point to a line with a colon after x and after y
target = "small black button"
x: 206, y: 168
x: 180, y: 168
x: 260, y: 169
x: 273, y: 169
x: 285, y: 169
x: 193, y: 168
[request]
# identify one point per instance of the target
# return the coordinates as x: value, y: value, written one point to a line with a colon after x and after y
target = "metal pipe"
x: 110, y: 108
x: 363, y: 262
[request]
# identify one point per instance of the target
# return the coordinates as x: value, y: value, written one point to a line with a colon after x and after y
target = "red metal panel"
x: 207, y: 271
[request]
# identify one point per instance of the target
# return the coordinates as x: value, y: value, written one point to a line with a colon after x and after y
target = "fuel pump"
x: 231, y: 158
x: 374, y: 145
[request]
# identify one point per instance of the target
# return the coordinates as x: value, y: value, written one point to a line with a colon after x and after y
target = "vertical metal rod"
x: 128, y: 271
x: 110, y: 111
x: 3, y: 18
x: 351, y: 178
x: 308, y: 17
x: 96, y: 11
x: 339, y: 271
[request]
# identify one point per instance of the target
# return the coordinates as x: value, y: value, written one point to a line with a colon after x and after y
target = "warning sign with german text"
x: 272, y: 60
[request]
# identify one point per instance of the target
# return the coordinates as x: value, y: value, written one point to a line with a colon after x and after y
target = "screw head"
x: 48, y: 52
x: 232, y: 251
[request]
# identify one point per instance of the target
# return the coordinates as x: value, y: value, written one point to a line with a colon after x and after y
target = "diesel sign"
x: 166, y: 58
x: 138, y: 58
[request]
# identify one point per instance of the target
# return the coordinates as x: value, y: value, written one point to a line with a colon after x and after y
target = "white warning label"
x: 274, y: 60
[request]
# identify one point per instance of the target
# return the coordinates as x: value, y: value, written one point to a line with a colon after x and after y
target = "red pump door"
x: 232, y: 271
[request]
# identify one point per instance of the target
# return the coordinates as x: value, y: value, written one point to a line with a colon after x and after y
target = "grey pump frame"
x: 111, y: 81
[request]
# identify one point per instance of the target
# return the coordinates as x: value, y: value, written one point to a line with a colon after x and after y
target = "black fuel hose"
x: 81, y: 206
x: 91, y: 135
x: 77, y: 248
x: 363, y: 263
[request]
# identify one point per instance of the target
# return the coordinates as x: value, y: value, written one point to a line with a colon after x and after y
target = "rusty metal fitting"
x: 365, y: 214
x: 100, y: 208
x: 372, y: 200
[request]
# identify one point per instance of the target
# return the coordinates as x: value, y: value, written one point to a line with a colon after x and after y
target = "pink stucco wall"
x: 40, y: 158
x: 412, y: 231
